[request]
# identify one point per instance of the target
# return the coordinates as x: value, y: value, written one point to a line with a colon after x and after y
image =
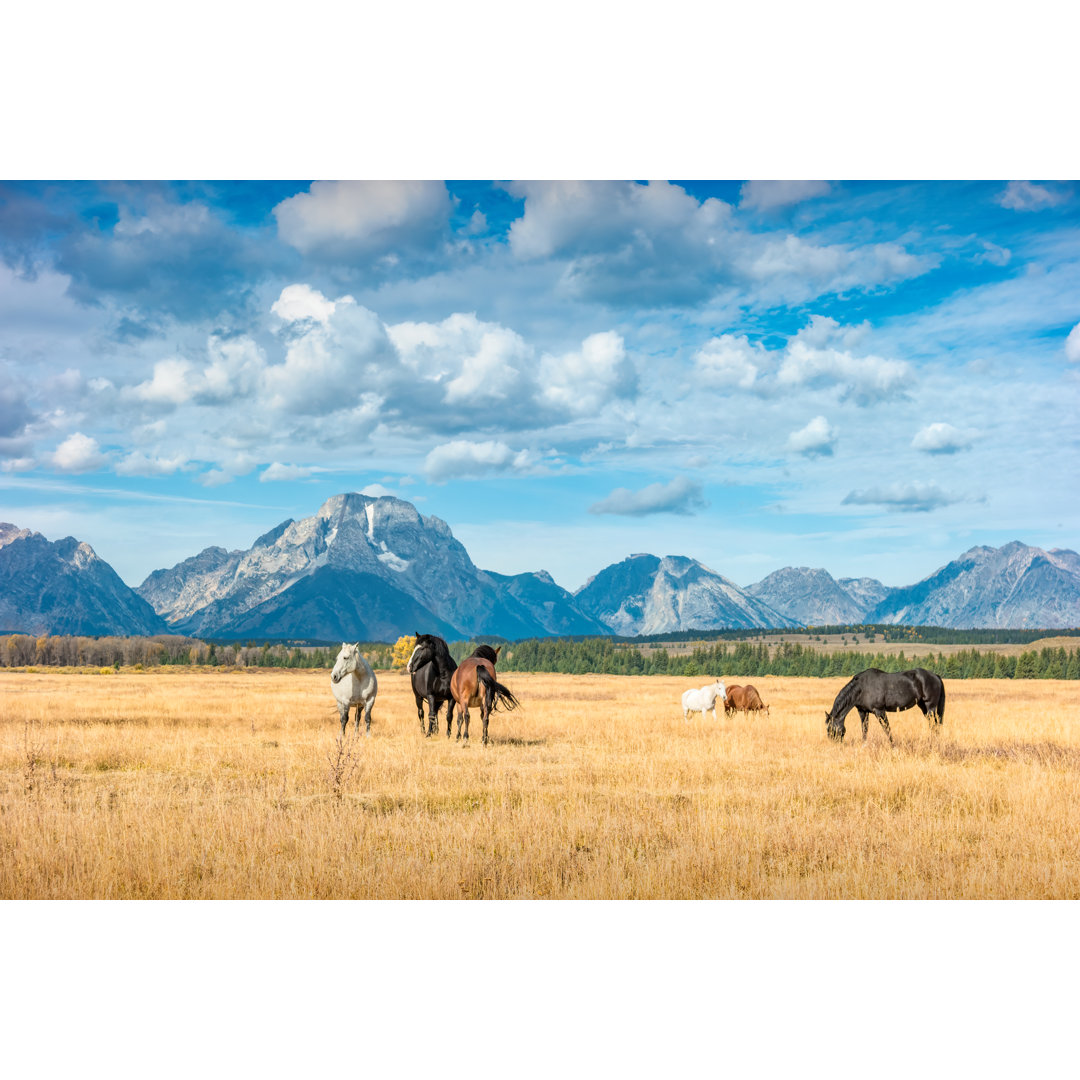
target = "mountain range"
x: 375, y: 568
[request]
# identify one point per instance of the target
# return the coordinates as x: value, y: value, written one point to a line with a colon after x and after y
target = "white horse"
x: 703, y: 700
x: 353, y: 683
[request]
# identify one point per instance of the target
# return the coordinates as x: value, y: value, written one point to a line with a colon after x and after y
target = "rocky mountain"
x: 645, y: 594
x: 64, y: 588
x: 816, y: 598
x: 1012, y: 586
x: 361, y: 567
x: 867, y: 592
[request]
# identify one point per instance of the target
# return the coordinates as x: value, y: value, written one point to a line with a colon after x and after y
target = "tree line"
x: 166, y: 650
x: 602, y: 656
x: 574, y: 656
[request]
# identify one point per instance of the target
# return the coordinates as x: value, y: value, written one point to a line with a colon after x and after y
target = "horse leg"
x: 343, y: 716
x: 433, y: 717
x: 367, y: 718
x: 865, y: 718
x: 449, y: 715
x: 485, y: 712
x: 419, y: 710
x: 463, y: 717
x: 885, y: 724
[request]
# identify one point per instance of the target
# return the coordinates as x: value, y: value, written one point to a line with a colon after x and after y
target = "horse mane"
x: 442, y: 652
x: 485, y: 652
x: 845, y: 700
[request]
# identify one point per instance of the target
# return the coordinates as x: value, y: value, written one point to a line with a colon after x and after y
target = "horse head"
x: 423, y: 652
x: 833, y: 728
x: 346, y: 661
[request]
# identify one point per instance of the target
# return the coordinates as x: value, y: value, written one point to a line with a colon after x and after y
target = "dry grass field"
x: 213, y: 784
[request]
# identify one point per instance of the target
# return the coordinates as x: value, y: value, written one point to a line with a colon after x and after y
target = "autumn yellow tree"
x: 403, y: 648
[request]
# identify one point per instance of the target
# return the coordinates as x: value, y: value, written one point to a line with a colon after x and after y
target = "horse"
x: 353, y: 683
x: 745, y: 698
x: 702, y: 700
x: 430, y: 668
x: 473, y: 683
x: 875, y: 691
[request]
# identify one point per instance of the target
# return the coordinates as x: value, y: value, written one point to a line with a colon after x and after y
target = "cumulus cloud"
x: 941, y: 438
x: 138, y: 463
x: 161, y: 258
x: 1024, y: 195
x: 277, y: 471
x: 15, y: 412
x: 582, y: 382
x: 654, y: 244
x: 377, y: 491
x: 796, y: 270
x: 462, y: 459
x: 772, y: 194
x: 817, y: 439
x: 330, y: 366
x: 78, y: 453
x: 1072, y: 345
x: 627, y: 243
x: 729, y: 361
x: 345, y: 219
x: 812, y: 358
x: 169, y: 385
x: 469, y: 360
x: 681, y: 495
x: 303, y: 302
x: 906, y: 497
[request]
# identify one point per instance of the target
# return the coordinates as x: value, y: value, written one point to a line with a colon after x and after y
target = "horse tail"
x: 493, y: 689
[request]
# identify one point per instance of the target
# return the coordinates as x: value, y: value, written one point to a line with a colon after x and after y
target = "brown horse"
x: 474, y: 684
x: 745, y: 698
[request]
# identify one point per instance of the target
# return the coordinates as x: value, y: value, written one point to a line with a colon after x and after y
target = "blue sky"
x: 867, y: 376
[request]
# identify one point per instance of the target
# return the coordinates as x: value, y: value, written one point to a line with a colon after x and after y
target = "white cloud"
x: 1024, y: 195
x: 377, y: 491
x: 940, y: 438
x: 818, y: 438
x: 771, y: 194
x: 1072, y: 345
x: 906, y: 497
x: 347, y: 218
x: 329, y: 367
x: 170, y: 384
x: 136, y: 463
x: 78, y: 453
x: 493, y: 368
x: 462, y: 459
x: 795, y: 270
x: 581, y: 216
x: 581, y: 383
x: 277, y: 471
x: 810, y: 361
x: 729, y: 360
x: 303, y: 302
x: 679, y: 496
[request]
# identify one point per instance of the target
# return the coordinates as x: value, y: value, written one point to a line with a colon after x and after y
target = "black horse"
x: 431, y: 667
x: 875, y: 691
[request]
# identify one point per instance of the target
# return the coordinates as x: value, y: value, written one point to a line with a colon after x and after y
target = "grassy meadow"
x: 182, y: 783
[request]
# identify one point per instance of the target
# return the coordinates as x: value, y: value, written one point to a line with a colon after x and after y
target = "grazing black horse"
x: 431, y: 667
x: 875, y: 691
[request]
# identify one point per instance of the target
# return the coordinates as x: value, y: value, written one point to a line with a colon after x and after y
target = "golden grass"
x: 212, y: 784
